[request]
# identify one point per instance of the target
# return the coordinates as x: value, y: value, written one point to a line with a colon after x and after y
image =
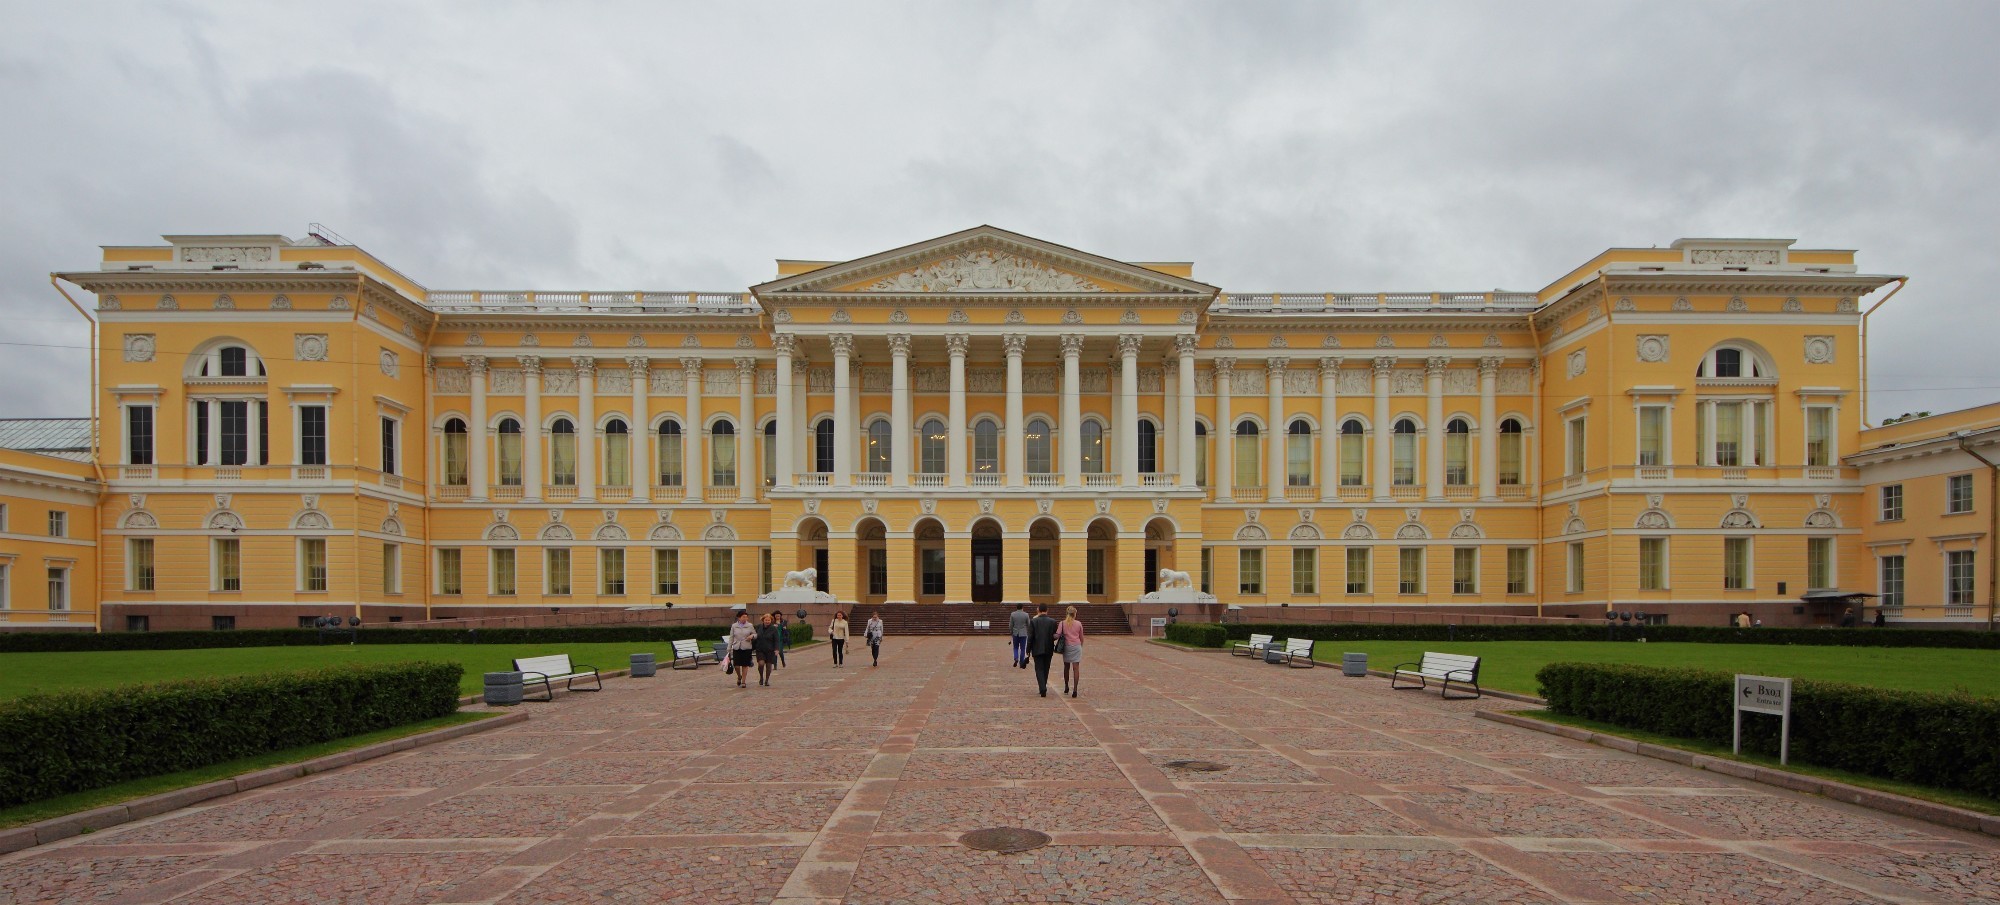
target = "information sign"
x: 1159, y: 625
x: 1763, y: 694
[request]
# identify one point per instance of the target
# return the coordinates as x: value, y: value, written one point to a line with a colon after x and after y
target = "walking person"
x: 784, y: 635
x: 742, y: 640
x: 1071, y: 633
x: 1017, y: 625
x: 766, y: 648
x: 1042, y: 645
x: 836, y: 632
x: 873, y: 635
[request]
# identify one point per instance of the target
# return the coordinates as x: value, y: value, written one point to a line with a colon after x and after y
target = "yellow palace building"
x: 290, y: 428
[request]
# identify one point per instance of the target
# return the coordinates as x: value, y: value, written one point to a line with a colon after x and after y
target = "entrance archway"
x: 928, y: 541
x: 1100, y: 565
x: 871, y: 559
x: 1044, y: 561
x: 1159, y: 551
x: 812, y: 549
x: 986, y: 564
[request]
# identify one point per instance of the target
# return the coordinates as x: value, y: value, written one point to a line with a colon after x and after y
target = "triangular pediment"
x: 984, y: 260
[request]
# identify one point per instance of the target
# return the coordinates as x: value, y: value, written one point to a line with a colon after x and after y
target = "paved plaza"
x: 853, y: 785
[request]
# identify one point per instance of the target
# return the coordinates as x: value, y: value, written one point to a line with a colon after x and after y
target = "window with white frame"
x: 1652, y: 564
x: 1357, y: 570
x: 138, y: 435
x: 1465, y: 570
x: 1036, y: 447
x: 1092, y: 441
x: 617, y: 453
x: 1353, y: 453
x: 1298, y: 454
x: 1819, y: 562
x: 58, y: 588
x: 1410, y: 570
x: 312, y: 435
x: 1958, y: 494
x: 1200, y: 454
x: 1250, y: 570
x: 1208, y: 570
x: 1248, y: 453
x: 770, y: 453
x: 1457, y: 452
x: 611, y: 572
x: 1519, y: 570
x: 58, y: 523
x: 1819, y: 435
x: 1892, y: 580
x: 507, y: 452
x: 312, y: 564
x: 722, y: 572
x: 1892, y: 502
x: 1305, y: 571
x: 392, y: 569
x: 932, y: 448
x: 986, y: 448
x: 1733, y: 433
x: 226, y: 564
x: 501, y: 562
x: 562, y: 453
x: 1041, y: 571
x: 391, y: 455
x: 666, y: 571
x: 6, y: 569
x: 670, y: 454
x: 1575, y: 568
x: 139, y: 564
x: 451, y: 570
x: 231, y: 361
x: 455, y: 452
x: 1509, y: 451
x: 722, y: 454
x: 823, y: 443
x: 1574, y: 460
x: 1728, y: 361
x: 1735, y: 563
x: 876, y: 451
x: 1959, y: 572
x: 1652, y: 435
x: 1403, y: 449
x: 1093, y: 572
x: 556, y: 571
x: 1149, y: 447
x: 764, y: 569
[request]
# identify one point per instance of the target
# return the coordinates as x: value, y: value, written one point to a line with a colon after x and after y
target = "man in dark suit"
x: 1042, y: 645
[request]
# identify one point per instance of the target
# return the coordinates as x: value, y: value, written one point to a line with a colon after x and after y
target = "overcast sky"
x: 1310, y: 147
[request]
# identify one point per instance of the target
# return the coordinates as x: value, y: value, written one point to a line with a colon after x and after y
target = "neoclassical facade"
x: 290, y: 428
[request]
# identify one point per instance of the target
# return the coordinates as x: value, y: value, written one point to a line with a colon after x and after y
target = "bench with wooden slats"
x: 553, y: 668
x: 1251, y: 648
x: 1447, y: 669
x: 688, y: 651
x: 1297, y: 652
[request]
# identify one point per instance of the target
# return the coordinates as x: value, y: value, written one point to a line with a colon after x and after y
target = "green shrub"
x: 1595, y: 630
x: 1199, y: 634
x: 802, y: 631
x: 1939, y: 740
x: 26, y: 642
x: 55, y: 744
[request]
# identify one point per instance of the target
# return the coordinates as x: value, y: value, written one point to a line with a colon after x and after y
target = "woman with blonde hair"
x: 836, y: 632
x: 1069, y: 639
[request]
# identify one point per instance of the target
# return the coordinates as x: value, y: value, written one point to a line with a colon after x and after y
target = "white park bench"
x: 1297, y: 652
x: 553, y: 668
x: 1251, y: 648
x: 1446, y: 668
x: 688, y: 650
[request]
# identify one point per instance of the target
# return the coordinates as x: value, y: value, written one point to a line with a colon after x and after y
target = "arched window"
x: 931, y: 438
x: 1456, y: 433
x: 507, y: 449
x: 1733, y: 360
x: 1093, y: 447
x: 671, y: 451
x: 1509, y: 451
x: 1149, y: 448
x: 770, y: 453
x: 454, y: 452
x: 231, y: 361
x: 986, y: 448
x: 1299, y: 454
x: 1248, y: 458
x: 562, y: 453
x: 1036, y: 447
x: 823, y: 446
x: 722, y: 454
x: 1200, y: 454
x: 617, y: 453
x: 879, y: 437
x: 1353, y: 453
x: 1405, y: 441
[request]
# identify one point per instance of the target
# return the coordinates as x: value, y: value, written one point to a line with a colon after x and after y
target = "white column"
x: 1274, y: 378
x: 1072, y: 411
x: 1016, y: 465
x: 747, y: 460
x: 901, y: 435
x: 1489, y: 428
x: 804, y: 445
x: 1384, y: 473
x: 843, y: 409
x: 1184, y: 430
x: 252, y: 447
x: 586, y: 429
x: 1168, y: 453
x: 787, y: 432
x: 475, y: 440
x: 1225, y: 432
x: 1329, y: 428
x: 954, y: 450
x: 531, y: 440
x: 641, y: 370
x: 1128, y: 410
x: 693, y: 477
x: 215, y: 431
x: 1703, y: 456
x: 1434, y: 415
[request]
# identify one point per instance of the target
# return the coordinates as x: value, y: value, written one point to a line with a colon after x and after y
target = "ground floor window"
x: 558, y: 570
x: 611, y: 573
x: 1305, y: 571
x: 140, y: 557
x: 1892, y: 581
x: 764, y: 564
x: 312, y: 564
x: 1041, y: 571
x: 1652, y: 563
x: 1208, y: 570
x: 1819, y: 562
x: 1575, y: 583
x: 1250, y: 571
x: 1735, y: 563
x: 721, y: 572
x: 1357, y: 570
x: 1093, y: 571
x: 392, y: 569
x: 666, y: 571
x: 1958, y: 578
x: 58, y: 588
x: 1410, y: 570
x: 932, y: 572
x: 451, y: 563
x: 228, y: 564
x: 503, y: 571
x: 1517, y: 570
x: 1465, y: 570
x: 878, y: 570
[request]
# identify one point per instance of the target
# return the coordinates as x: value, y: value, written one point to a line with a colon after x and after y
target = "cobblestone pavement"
x: 854, y: 785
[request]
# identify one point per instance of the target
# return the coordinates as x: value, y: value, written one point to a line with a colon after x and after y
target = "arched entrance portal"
x: 812, y: 548
x: 871, y: 557
x: 1100, y: 561
x: 929, y: 541
x: 1044, y: 560
x: 986, y: 569
x: 1159, y: 551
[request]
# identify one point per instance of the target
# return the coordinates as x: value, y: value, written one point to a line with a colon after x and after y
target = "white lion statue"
x: 803, y: 578
x: 1172, y: 579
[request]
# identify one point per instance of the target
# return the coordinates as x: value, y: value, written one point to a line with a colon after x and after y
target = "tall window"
x: 139, y: 435
x: 931, y: 447
x: 1576, y: 459
x: 392, y: 569
x: 1959, y: 572
x: 878, y: 571
x: 764, y: 570
x: 986, y: 448
x: 1035, y: 446
x: 1305, y: 571
x: 234, y: 430
x: 1652, y: 564
x: 617, y: 453
x: 1250, y: 571
x: 1509, y: 451
x: 562, y: 454
x: 1575, y: 584
x: 722, y: 572
x: 1410, y: 570
x: 556, y: 569
x: 228, y: 564
x: 390, y: 455
x: 454, y: 452
x: 1819, y: 435
x: 1041, y: 571
x: 1200, y: 454
x: 1093, y: 447
x: 1819, y: 562
x: 1892, y: 502
x: 58, y: 588
x: 507, y: 449
x: 451, y: 570
x: 671, y: 450
x: 722, y: 455
x: 1093, y: 571
x: 1735, y: 563
x: 1404, y: 447
x: 5, y: 602
x: 312, y: 435
x: 1298, y: 454
x: 1465, y: 570
x: 1892, y: 581
x: 263, y: 432
x: 1208, y: 570
x: 1739, y: 433
x: 1247, y: 454
x: 1517, y: 570
x: 876, y: 460
x: 503, y: 562
x: 201, y: 451
x: 1149, y: 447
x: 1457, y: 454
x: 1652, y: 435
x: 1353, y: 449
x: 611, y: 572
x: 666, y: 571
x: 312, y: 564
x: 823, y: 446
x: 139, y: 559
x: 1357, y: 570
x: 770, y: 453
x: 1958, y: 494
x: 931, y: 572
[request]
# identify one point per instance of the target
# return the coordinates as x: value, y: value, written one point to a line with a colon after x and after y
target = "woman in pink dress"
x: 1070, y: 635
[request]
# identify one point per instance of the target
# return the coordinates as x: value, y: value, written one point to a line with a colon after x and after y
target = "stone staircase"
x: 957, y: 618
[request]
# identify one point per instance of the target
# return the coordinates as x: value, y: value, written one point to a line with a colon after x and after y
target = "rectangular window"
x: 1958, y: 490
x: 1575, y: 566
x: 389, y: 458
x: 1250, y: 571
x: 228, y: 564
x: 562, y: 456
x: 1892, y: 502
x: 507, y: 454
x: 1892, y: 581
x: 235, y: 432
x: 1510, y: 453
x: 312, y: 435
x: 1298, y: 460
x: 611, y: 572
x: 503, y: 561
x: 58, y: 524
x: 1652, y: 435
x: 1352, y: 450
x: 392, y: 569
x: 1403, y: 445
x: 1728, y: 434
x: 670, y: 454
x: 312, y: 564
x: 1357, y: 570
x: 145, y: 623
x: 139, y: 435
x: 1305, y: 571
x: 932, y: 572
x: 201, y: 432
x: 139, y: 560
x: 1457, y: 471
x: 1652, y: 564
x: 1200, y: 459
x: 451, y: 566
x: 1465, y: 570
x: 1735, y: 563
x: 1518, y: 570
x: 1249, y: 458
x: 1041, y: 571
x: 263, y: 432
x: 666, y: 571
x: 617, y: 459
x: 4, y: 568
x: 1093, y: 571
x: 3, y: 516
x: 722, y: 572
x: 1819, y: 435
x: 1410, y: 570
x: 1819, y: 562
x: 1959, y: 573
x: 222, y: 623
x: 764, y: 569
x: 1575, y: 460
x: 878, y: 571
x: 557, y: 559
x: 1208, y: 570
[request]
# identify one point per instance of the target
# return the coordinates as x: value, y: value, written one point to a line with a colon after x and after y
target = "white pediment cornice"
x: 984, y: 260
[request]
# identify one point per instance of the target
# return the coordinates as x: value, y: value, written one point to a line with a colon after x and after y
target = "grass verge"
x: 153, y: 785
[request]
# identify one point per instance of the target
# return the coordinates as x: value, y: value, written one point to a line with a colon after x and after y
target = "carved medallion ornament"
x: 168, y: 303
x: 1793, y: 305
x: 281, y: 302
x: 1653, y: 347
x: 635, y: 342
x: 984, y: 271
x: 1385, y: 342
x: 139, y: 347
x: 1014, y: 316
x: 1819, y: 350
x: 1626, y: 304
x: 1577, y: 363
x: 1330, y: 342
x: 390, y: 364
x: 109, y: 302
x: 224, y: 302
x: 1738, y: 305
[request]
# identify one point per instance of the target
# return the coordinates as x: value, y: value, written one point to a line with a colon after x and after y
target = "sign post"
x: 1159, y: 624
x: 1764, y: 694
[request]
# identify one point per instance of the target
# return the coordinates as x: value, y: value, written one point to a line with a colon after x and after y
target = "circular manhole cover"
x: 1197, y: 766
x: 1004, y: 839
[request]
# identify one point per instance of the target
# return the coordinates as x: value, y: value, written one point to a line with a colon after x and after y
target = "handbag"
x: 1059, y: 644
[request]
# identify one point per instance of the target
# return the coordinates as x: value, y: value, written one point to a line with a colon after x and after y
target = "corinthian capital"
x: 746, y: 365
x: 1072, y: 344
x: 956, y: 343
x: 1329, y: 364
x: 476, y: 363
x: 585, y: 365
x: 1489, y: 366
x: 1225, y: 367
x: 1128, y: 345
x: 1016, y: 343
x: 1186, y: 343
x: 532, y: 364
x: 1276, y: 367
x: 639, y: 364
x: 784, y: 343
x: 842, y: 343
x: 1384, y: 364
x: 1435, y: 365
x: 899, y: 343
x: 691, y: 365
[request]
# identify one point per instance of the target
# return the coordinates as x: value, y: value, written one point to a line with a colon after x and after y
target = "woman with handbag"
x: 742, y: 639
x: 873, y: 635
x: 836, y: 632
x: 1069, y: 642
x: 766, y: 646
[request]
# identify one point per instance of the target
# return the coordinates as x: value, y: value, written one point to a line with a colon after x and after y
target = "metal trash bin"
x: 1353, y: 664
x: 722, y: 651
x: 1273, y: 655
x: 644, y: 665
x: 503, y: 689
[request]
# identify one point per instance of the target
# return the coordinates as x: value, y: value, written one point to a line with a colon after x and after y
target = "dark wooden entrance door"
x: 985, y: 571
x: 1152, y: 569
x: 819, y: 562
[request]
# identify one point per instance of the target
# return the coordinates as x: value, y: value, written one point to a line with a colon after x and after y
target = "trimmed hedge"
x: 55, y: 744
x: 29, y: 642
x: 1940, y: 740
x: 1199, y: 634
x: 1596, y: 631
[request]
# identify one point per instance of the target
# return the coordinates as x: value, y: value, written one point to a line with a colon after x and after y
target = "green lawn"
x: 1511, y: 665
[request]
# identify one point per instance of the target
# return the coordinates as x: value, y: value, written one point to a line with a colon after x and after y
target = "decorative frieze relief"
x: 1247, y: 382
x: 984, y: 271
x: 452, y: 380
x: 1733, y: 257
x: 986, y: 380
x: 509, y: 381
x: 1040, y: 380
x: 614, y: 380
x: 718, y: 382
x: 1461, y: 381
x: 1354, y: 382
x: 930, y: 380
x: 1301, y: 381
x: 559, y: 380
x: 819, y: 380
x: 1150, y: 380
x: 226, y: 254
x: 1094, y: 380
x: 874, y: 380
x: 1515, y: 380
x: 1407, y: 382
x: 668, y: 381
x: 767, y: 383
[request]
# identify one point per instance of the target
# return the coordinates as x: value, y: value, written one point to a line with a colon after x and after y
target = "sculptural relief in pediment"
x: 984, y: 270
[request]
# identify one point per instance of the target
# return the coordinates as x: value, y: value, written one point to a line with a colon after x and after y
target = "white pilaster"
x: 787, y: 431
x: 1225, y: 432
x: 693, y: 476
x: 1384, y: 469
x: 1128, y: 409
x: 531, y: 441
x: 1184, y: 430
x: 843, y: 409
x: 747, y: 460
x: 901, y: 435
x: 586, y: 430
x: 1434, y: 416
x: 1167, y: 456
x: 642, y: 434
x: 475, y: 440
x: 1072, y: 410
x: 1329, y: 428
x: 1016, y: 464
x: 1274, y: 379
x: 1489, y: 428
x: 954, y: 450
